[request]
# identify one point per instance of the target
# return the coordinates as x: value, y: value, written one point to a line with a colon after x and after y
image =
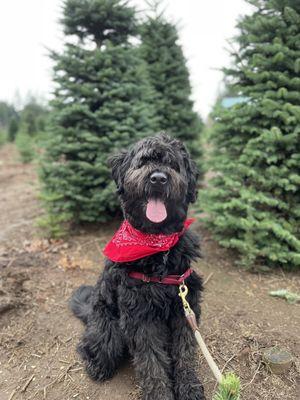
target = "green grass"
x: 229, y: 388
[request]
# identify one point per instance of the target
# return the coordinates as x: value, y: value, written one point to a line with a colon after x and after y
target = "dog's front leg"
x: 152, y: 361
x: 184, y: 352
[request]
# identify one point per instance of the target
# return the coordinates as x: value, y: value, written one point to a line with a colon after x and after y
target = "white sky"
x: 28, y: 27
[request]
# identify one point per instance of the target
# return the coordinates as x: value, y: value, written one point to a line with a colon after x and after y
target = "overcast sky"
x: 28, y: 27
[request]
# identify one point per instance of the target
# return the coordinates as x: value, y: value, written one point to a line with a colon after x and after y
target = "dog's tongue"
x: 156, y: 211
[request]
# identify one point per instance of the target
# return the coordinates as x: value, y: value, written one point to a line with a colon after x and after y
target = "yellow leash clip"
x: 183, y: 292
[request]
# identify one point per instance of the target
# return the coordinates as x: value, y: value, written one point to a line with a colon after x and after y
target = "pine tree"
x: 33, y: 117
x: 13, y: 128
x: 7, y: 113
x: 169, y: 76
x: 25, y: 145
x: 253, y: 201
x: 100, y: 106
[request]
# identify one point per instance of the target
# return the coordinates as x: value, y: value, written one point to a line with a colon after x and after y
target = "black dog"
x: 156, y: 182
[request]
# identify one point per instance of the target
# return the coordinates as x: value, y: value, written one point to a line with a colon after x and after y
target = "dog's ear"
x: 192, y: 175
x: 118, y: 169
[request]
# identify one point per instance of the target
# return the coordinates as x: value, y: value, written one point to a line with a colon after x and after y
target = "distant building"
x: 228, y: 102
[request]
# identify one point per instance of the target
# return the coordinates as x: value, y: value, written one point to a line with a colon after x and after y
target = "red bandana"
x: 129, y: 244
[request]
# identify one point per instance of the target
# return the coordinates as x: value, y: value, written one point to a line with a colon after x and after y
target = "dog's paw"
x: 159, y: 393
x: 99, y: 373
x: 190, y: 391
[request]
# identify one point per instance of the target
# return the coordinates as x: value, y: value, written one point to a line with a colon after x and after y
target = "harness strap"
x: 167, y: 280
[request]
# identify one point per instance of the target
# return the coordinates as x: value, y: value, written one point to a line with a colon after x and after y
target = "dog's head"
x: 156, y: 181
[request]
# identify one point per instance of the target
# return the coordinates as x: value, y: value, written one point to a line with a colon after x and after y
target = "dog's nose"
x: 158, y: 178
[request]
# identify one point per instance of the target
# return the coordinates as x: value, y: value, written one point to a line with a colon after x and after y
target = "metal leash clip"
x: 183, y: 292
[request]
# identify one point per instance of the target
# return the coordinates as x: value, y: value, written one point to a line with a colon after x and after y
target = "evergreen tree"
x: 169, y: 77
x: 7, y: 113
x: 25, y: 145
x: 254, y: 200
x: 100, y: 106
x: 12, y: 129
x: 33, y: 117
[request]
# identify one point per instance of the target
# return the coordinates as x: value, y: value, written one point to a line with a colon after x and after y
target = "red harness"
x: 167, y: 280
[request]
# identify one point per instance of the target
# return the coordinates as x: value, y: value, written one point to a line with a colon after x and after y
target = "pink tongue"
x: 156, y: 211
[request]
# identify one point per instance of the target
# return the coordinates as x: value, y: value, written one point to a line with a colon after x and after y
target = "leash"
x: 229, y: 385
x: 190, y: 316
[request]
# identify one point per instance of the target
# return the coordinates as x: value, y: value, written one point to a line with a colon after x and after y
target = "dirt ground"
x: 38, y: 335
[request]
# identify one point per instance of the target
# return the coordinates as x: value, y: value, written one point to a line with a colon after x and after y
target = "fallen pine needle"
x: 12, y: 394
x: 208, y: 278
x: 27, y: 383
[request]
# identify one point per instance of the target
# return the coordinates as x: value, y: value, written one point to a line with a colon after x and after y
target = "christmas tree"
x: 100, y: 106
x: 169, y: 76
x: 13, y: 128
x: 253, y: 200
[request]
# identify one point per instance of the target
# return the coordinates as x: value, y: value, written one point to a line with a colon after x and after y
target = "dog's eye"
x: 171, y: 161
x: 139, y: 163
x: 175, y: 165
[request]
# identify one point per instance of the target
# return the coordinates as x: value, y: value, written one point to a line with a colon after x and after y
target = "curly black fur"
x: 146, y: 320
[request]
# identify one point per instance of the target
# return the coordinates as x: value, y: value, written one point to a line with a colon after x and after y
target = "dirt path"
x: 38, y: 335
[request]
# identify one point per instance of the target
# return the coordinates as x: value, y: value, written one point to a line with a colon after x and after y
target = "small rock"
x: 3, y: 262
x: 244, y: 353
x: 278, y: 360
x: 29, y: 285
x: 261, y: 269
x: 6, y: 304
x: 3, y: 252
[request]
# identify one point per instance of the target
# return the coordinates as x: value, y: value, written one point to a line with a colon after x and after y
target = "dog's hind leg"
x: 152, y: 362
x: 184, y: 351
x: 80, y: 302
